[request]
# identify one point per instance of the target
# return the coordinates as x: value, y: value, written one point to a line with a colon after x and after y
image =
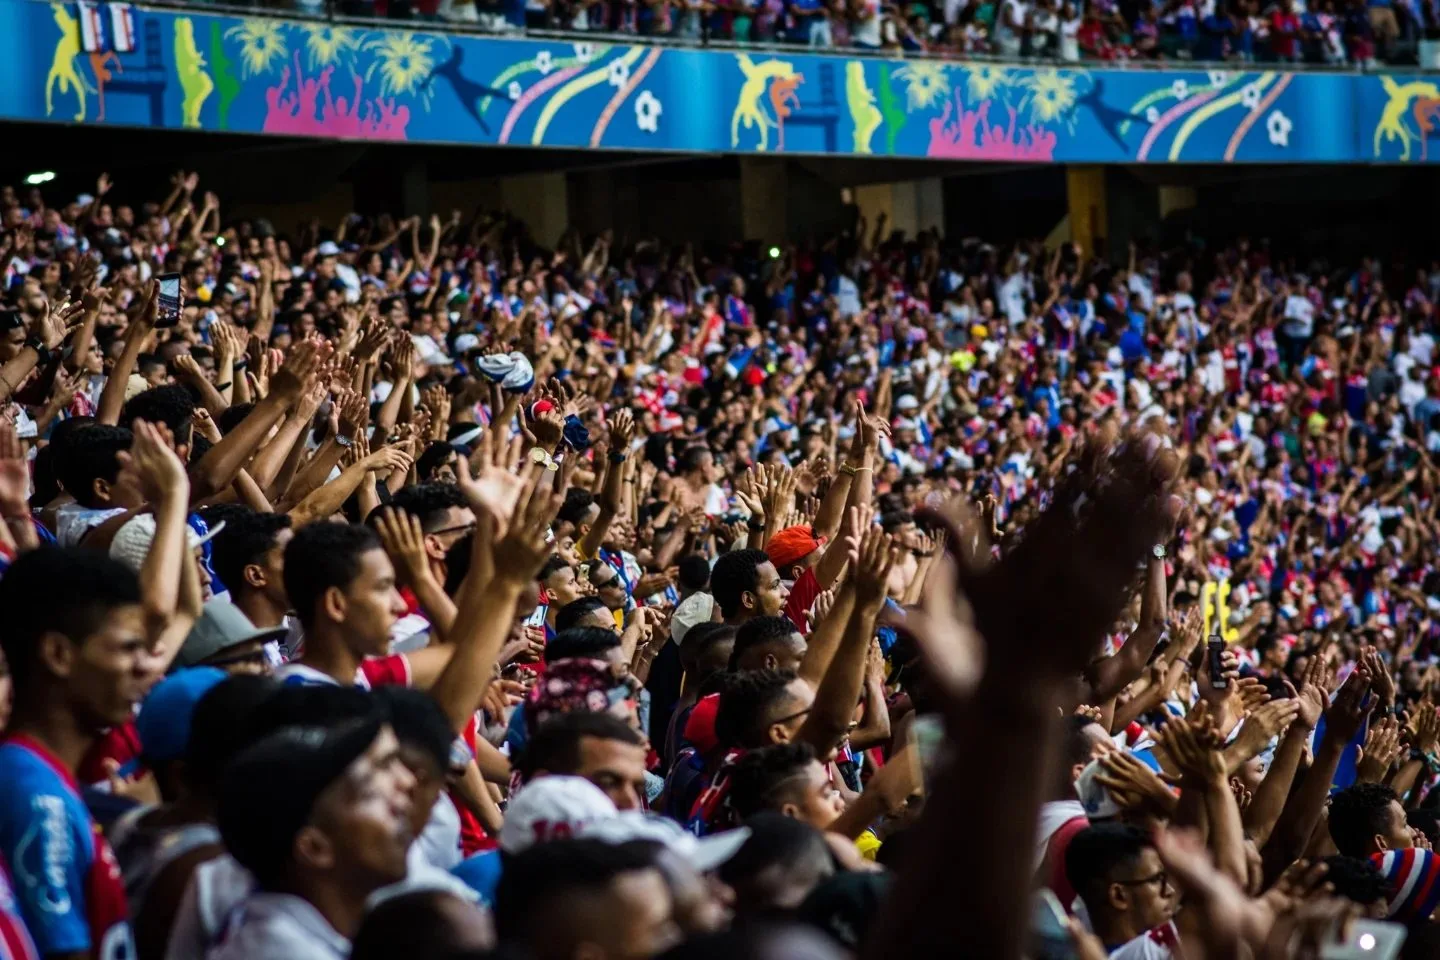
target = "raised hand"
x: 151, y: 463
x: 622, y: 431
x: 302, y: 367
x: 354, y: 412
x: 1381, y: 680
x: 520, y: 553
x: 1312, y: 697
x: 14, y: 474
x: 373, y: 338
x: 1080, y: 556
x: 1347, y: 710
x: 1134, y: 785
x: 404, y: 541
x: 387, y: 459
x: 878, y: 555
x: 204, y: 425
x: 1194, y: 744
x: 1382, y: 746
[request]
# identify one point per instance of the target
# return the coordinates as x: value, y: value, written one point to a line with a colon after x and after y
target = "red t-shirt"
x: 801, y: 599
x: 121, y: 744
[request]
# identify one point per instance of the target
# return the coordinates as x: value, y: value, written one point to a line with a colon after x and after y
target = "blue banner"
x: 63, y: 62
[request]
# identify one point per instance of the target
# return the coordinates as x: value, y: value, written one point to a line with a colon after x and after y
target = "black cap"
x: 268, y: 793
x: 846, y: 904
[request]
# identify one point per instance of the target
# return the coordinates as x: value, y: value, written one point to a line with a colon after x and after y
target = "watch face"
x: 1159, y: 552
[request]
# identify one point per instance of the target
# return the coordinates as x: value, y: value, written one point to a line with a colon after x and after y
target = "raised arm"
x: 142, y: 321
x: 839, y: 691
x: 217, y: 469
x: 488, y: 610
x: 160, y: 476
x: 622, y: 431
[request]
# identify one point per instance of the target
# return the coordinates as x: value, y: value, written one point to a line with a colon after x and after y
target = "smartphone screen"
x: 168, y: 313
x: 1214, y: 648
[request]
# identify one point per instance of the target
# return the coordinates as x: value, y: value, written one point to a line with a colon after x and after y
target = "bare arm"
x: 142, y: 321
x: 217, y: 469
x: 839, y: 691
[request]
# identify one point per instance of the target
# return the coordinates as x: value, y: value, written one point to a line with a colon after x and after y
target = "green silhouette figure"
x: 891, y: 109
x: 224, y: 69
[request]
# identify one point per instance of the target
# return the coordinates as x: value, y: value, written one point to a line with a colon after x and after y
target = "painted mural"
x: 320, y: 79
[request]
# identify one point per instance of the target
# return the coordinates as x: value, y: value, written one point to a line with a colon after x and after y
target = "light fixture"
x: 44, y: 176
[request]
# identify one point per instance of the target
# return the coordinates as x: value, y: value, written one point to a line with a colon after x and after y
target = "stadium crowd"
x: 1319, y: 32
x: 410, y: 588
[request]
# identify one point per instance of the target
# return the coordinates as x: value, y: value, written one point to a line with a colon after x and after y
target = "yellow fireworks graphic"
x: 1052, y: 94
x: 262, y: 45
x: 404, y: 62
x: 925, y: 83
x: 982, y: 81
x: 326, y: 44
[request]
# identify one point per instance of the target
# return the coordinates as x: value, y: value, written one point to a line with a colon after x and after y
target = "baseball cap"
x: 907, y: 402
x: 466, y: 341
x: 552, y: 808
x: 328, y: 249
x: 222, y: 625
x: 163, y: 723
x: 268, y: 793
x: 132, y: 541
x: 792, y: 545
x: 703, y: 853
x: 696, y: 608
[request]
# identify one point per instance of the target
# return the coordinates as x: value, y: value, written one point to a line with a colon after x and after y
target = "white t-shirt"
x: 1010, y: 11
x: 1070, y: 39
x: 1140, y: 285
x: 1012, y: 293
x: 280, y: 925
x: 1299, y: 316
x: 867, y: 32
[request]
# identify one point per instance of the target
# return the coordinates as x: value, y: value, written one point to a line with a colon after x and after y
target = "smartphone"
x: 168, y: 313
x: 1368, y: 940
x: 1213, y: 648
x: 1049, y: 936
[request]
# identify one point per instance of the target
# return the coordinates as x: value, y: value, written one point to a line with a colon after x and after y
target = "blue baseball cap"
x: 164, y: 719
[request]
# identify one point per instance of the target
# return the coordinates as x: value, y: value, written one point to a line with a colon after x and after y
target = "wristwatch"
x: 1159, y: 552
x: 38, y: 345
x: 616, y: 457
x: 344, y: 441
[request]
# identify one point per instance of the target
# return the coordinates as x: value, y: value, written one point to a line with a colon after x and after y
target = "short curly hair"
x: 733, y: 575
x: 1357, y: 814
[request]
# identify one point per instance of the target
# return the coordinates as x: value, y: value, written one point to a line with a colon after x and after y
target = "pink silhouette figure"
x: 302, y: 113
x: 971, y: 137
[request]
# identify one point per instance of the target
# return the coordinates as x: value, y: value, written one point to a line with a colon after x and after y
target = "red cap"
x: 792, y: 545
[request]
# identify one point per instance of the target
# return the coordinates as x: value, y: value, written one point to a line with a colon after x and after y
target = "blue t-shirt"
x: 66, y: 880
x: 481, y: 873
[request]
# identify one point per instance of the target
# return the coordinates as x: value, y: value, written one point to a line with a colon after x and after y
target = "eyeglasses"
x: 462, y: 529
x: 1161, y: 878
x: 793, y: 716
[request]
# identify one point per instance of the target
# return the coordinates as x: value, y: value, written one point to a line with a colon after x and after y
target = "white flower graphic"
x: 543, y: 63
x: 647, y: 111
x: 1152, y: 114
x: 1250, y: 96
x: 1180, y: 89
x: 619, y: 73
x: 584, y: 52
x: 1218, y: 78
x: 515, y: 90
x: 1278, y: 126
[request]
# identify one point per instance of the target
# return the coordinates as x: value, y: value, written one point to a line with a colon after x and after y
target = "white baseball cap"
x: 132, y: 541
x: 552, y: 808
x: 703, y: 853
